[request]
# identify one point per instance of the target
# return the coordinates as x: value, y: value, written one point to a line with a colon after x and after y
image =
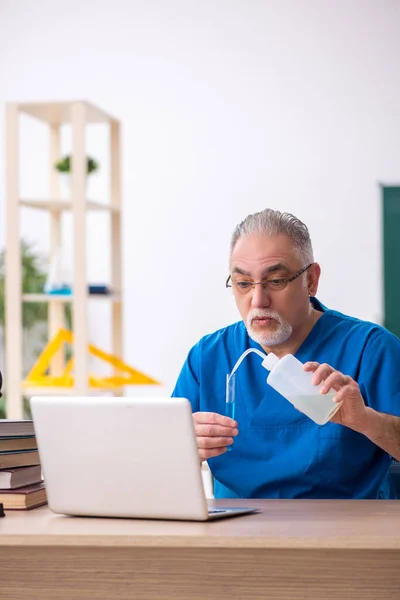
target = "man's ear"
x: 313, y: 275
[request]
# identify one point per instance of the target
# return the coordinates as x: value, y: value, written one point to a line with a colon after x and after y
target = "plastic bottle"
x: 289, y: 379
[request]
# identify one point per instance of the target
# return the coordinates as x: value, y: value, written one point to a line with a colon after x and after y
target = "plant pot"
x: 66, y: 186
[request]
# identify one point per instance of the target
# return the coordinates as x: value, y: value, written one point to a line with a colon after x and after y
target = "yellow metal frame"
x: 123, y: 373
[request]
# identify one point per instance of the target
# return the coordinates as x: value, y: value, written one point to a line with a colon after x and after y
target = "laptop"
x: 122, y: 457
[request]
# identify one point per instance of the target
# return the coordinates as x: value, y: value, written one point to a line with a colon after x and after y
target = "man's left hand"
x: 353, y: 411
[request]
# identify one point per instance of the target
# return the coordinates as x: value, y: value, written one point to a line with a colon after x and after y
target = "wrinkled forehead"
x: 258, y: 253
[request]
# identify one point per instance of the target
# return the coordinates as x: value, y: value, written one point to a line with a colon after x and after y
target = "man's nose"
x: 260, y: 297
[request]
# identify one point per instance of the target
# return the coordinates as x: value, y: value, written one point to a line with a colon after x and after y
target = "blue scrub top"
x: 279, y: 452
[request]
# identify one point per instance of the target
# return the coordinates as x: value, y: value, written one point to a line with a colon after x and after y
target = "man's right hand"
x: 214, y: 432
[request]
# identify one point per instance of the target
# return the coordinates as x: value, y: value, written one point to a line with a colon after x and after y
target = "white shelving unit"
x: 77, y: 114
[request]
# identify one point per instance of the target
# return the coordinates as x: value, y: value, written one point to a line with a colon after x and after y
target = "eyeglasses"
x: 273, y: 284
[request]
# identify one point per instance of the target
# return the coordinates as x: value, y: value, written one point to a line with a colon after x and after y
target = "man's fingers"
x: 335, y: 381
x: 217, y: 442
x: 322, y: 373
x: 206, y: 454
x: 327, y: 375
x: 211, y: 418
x: 349, y: 390
x: 311, y: 366
x: 215, y: 430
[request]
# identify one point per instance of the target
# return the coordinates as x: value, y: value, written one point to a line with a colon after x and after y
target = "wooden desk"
x: 294, y: 549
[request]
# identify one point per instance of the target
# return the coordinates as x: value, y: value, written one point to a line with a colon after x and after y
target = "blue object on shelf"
x: 60, y: 291
x: 99, y: 289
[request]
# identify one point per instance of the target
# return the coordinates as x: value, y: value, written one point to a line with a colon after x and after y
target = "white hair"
x: 271, y: 222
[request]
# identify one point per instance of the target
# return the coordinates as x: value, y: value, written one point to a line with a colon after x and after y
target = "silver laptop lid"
x: 120, y: 457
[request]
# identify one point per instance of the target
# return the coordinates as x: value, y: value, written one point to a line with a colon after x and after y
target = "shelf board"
x: 61, y: 391
x: 59, y: 205
x: 65, y: 298
x: 58, y: 113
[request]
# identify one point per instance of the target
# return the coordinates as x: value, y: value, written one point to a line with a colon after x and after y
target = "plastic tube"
x: 230, y: 391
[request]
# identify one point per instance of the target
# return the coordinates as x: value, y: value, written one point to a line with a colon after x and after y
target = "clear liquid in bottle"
x: 320, y: 407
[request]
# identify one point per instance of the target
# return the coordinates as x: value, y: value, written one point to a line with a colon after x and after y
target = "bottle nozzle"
x: 270, y: 361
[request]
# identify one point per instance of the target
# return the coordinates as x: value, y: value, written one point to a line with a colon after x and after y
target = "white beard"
x: 279, y: 336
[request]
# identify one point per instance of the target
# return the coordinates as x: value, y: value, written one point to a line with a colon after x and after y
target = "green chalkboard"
x: 391, y: 257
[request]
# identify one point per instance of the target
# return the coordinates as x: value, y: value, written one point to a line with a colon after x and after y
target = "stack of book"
x: 21, y: 484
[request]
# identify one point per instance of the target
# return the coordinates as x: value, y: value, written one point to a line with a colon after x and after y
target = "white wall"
x: 227, y: 106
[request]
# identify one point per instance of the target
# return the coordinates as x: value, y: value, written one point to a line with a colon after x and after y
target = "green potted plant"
x: 64, y: 167
x: 33, y: 280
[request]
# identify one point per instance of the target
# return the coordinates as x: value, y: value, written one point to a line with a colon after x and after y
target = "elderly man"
x: 276, y: 451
